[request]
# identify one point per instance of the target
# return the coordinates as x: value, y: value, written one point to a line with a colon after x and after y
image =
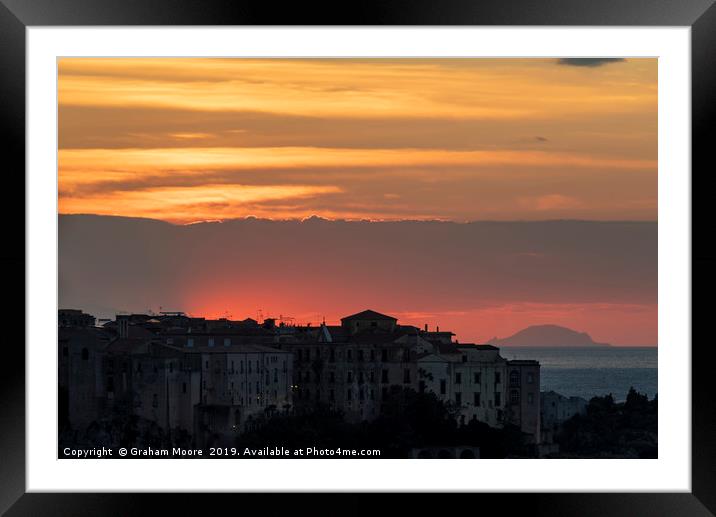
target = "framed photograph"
x: 301, y: 251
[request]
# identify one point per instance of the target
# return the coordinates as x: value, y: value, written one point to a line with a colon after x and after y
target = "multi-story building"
x: 220, y: 377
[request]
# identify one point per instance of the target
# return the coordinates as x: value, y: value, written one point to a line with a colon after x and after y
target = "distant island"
x: 547, y: 335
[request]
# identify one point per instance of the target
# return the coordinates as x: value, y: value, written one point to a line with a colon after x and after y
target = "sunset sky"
x: 192, y: 140
x: 184, y: 140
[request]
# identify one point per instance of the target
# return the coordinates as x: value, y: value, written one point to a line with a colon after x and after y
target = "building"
x: 216, y: 378
x: 555, y: 409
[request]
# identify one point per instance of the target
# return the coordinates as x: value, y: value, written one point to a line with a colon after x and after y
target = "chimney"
x: 437, y: 329
x: 426, y: 327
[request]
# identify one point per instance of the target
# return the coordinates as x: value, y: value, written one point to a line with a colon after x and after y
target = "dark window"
x: 349, y: 355
x: 65, y: 351
x: 85, y: 354
x: 443, y: 387
x: 406, y: 376
x: 530, y: 378
x: 372, y: 394
x: 476, y: 399
x: 332, y: 356
x: 514, y: 396
x: 373, y: 323
x: 372, y: 355
x: 110, y: 383
x: 530, y: 398
x: 384, y: 393
x: 464, y: 358
x: 458, y: 378
x: 384, y: 355
x: 275, y: 375
x: 360, y: 377
x: 183, y: 387
x: 360, y: 355
x: 332, y: 395
x: 349, y: 377
x: 171, y: 367
x: 349, y: 394
x: 206, y: 364
x: 332, y: 377
x: 241, y: 366
x: 498, y: 378
x: 514, y: 378
x: 458, y: 398
x: 477, y: 378
x: 384, y: 377
x: 361, y: 396
x: 372, y: 376
x: 422, y: 386
x: 498, y: 399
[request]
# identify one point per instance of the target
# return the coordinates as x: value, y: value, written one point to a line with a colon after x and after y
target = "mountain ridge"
x: 547, y: 335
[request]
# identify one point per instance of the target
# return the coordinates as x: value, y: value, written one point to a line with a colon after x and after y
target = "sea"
x: 593, y: 371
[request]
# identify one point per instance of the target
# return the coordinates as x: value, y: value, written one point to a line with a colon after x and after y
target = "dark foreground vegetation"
x: 612, y: 430
x: 408, y: 421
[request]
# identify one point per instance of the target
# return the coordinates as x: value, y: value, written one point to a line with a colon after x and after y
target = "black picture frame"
x: 17, y: 15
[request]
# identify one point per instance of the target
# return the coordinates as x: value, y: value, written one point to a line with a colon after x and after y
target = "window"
x: 372, y: 394
x: 498, y: 399
x: 372, y: 376
x: 464, y: 358
x: 307, y: 376
x: 349, y: 355
x: 211, y: 341
x: 258, y: 387
x: 183, y: 387
x: 476, y: 399
x: 372, y: 355
x: 514, y: 378
x: 257, y: 366
x: 360, y: 378
x: 155, y: 400
x: 498, y: 378
x: 406, y: 376
x: 171, y: 367
x: 458, y: 398
x: 384, y: 355
x: 275, y: 375
x: 384, y: 377
x: 458, y: 378
x: 332, y: 377
x: 349, y: 394
x: 361, y: 396
x: 530, y: 398
x: 514, y: 397
x: 190, y: 342
x: 360, y: 355
x: 241, y: 366
x: 332, y: 356
x: 248, y: 364
x: 349, y: 377
x: 373, y: 323
x: 443, y: 386
x: 530, y: 378
x: 85, y: 354
x: 477, y: 378
x: 422, y: 387
x: 332, y: 395
x: 384, y: 393
x: 227, y: 341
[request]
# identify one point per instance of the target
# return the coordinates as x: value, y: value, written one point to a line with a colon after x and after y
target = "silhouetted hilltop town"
x: 212, y: 380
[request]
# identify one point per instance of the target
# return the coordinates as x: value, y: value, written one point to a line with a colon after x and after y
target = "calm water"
x: 587, y: 372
